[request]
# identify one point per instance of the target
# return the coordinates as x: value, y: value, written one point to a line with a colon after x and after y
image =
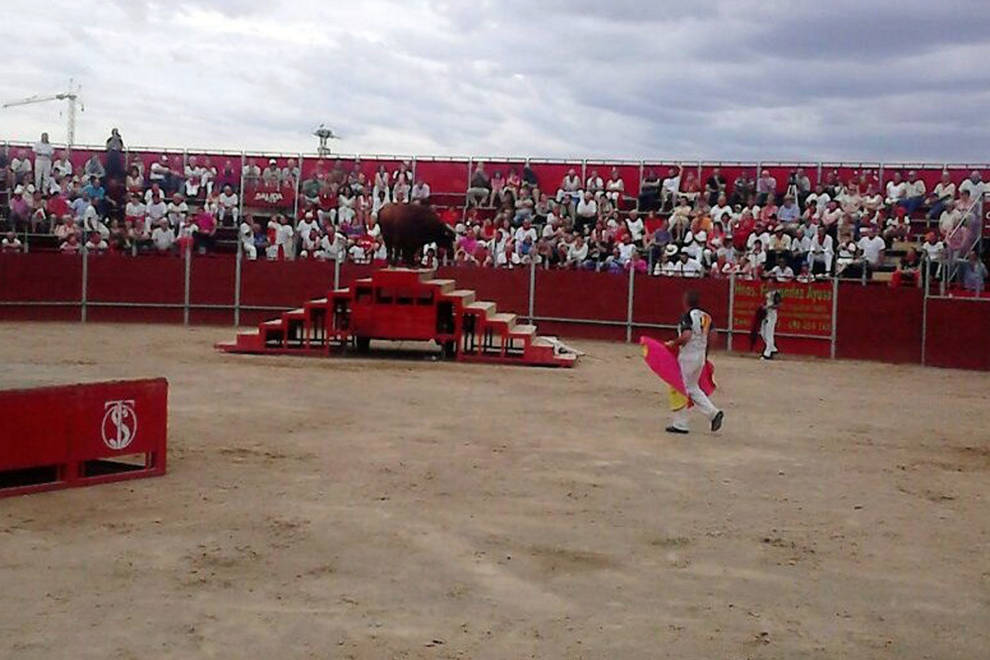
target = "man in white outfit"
x: 692, y: 338
x: 43, y: 152
x: 769, y: 325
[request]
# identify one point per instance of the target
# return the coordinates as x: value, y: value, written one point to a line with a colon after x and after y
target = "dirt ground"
x: 356, y: 508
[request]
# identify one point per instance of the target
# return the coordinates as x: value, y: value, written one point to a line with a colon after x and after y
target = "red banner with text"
x: 805, y: 309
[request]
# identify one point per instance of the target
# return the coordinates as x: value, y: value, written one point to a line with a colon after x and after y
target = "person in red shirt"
x: 58, y: 206
x: 204, y: 239
x: 741, y: 229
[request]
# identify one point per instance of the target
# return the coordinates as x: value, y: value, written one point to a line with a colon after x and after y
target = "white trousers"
x: 691, y: 370
x: 42, y: 174
x: 767, y: 331
x: 250, y: 251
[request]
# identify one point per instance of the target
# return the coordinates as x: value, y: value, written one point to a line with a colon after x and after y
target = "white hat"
x: 701, y: 236
x: 671, y: 250
x: 272, y: 161
x: 19, y: 189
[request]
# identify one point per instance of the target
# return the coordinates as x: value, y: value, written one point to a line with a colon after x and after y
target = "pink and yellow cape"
x: 663, y: 361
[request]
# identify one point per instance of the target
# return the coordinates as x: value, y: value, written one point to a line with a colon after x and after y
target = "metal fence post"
x: 732, y: 310
x: 629, y: 304
x: 835, y: 315
x: 185, y: 299
x: 924, y: 314
x: 532, y: 290
x: 336, y: 273
x: 237, y: 285
x: 85, y: 285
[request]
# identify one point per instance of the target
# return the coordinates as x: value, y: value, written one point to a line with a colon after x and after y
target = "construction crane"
x: 325, y: 134
x: 71, y: 98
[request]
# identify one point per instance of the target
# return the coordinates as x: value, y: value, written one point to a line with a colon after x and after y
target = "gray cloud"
x: 843, y: 80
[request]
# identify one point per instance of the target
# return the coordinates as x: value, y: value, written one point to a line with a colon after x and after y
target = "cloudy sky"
x: 772, y: 79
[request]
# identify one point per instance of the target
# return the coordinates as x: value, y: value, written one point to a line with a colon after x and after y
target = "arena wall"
x: 870, y: 322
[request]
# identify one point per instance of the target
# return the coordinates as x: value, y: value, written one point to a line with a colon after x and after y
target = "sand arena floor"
x: 369, y: 508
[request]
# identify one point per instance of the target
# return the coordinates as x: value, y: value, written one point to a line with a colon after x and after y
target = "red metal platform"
x: 403, y: 305
x: 79, y: 435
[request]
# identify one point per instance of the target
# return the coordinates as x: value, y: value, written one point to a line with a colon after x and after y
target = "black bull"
x: 406, y: 228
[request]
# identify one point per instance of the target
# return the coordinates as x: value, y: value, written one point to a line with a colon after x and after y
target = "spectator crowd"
x: 676, y: 226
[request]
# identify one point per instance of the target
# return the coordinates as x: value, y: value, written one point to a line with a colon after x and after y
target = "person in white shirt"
x: 692, y: 353
x: 974, y: 186
x: 137, y: 212
x: 11, y: 243
x: 246, y: 234
x: 96, y: 243
x: 945, y: 191
x: 636, y: 227
x: 62, y: 167
x: 525, y: 231
x: 914, y: 193
x: 768, y: 327
x: 307, y: 224
x: 689, y: 267
x: 284, y: 238
x: 781, y: 272
x: 671, y: 186
x: 873, y: 247
x: 333, y: 247
x: 595, y: 185
x: 156, y: 209
x: 720, y: 209
x: 20, y: 167
x: 626, y: 250
x: 227, y: 206
x: 896, y: 190
x: 420, y: 192
x: 577, y: 253
x: 177, y: 211
x: 821, y: 251
x: 163, y: 236
x: 614, y: 187
x: 757, y: 259
x: 43, y: 152
x: 847, y: 256
x: 587, y: 212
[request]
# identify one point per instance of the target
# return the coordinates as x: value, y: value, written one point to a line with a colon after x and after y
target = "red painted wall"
x: 873, y: 322
x: 879, y: 323
x: 958, y: 334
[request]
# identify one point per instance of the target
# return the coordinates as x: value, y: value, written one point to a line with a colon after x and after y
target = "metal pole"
x: 835, y: 314
x: 732, y: 309
x: 629, y: 304
x: 237, y: 285
x: 336, y: 273
x: 85, y: 285
x: 185, y: 300
x: 532, y: 289
x: 924, y: 315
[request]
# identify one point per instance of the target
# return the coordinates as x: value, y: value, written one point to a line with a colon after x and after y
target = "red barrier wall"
x: 284, y: 283
x: 444, y: 176
x: 879, y: 323
x: 873, y: 322
x: 958, y: 334
x: 97, y: 421
x: 509, y: 289
x: 40, y: 276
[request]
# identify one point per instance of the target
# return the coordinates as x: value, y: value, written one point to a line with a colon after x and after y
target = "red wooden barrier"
x: 957, y: 334
x: 79, y: 435
x: 879, y: 323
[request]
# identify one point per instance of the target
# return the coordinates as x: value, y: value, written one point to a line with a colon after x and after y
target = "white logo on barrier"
x: 120, y: 423
x: 269, y: 197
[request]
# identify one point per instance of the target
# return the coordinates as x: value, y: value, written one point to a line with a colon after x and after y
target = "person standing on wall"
x: 43, y: 152
x: 692, y: 342
x: 768, y: 328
